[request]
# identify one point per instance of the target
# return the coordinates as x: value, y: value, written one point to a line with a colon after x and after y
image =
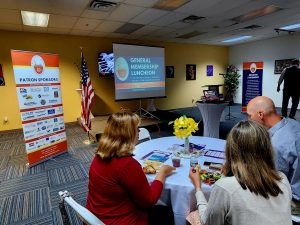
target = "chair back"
x: 296, y: 219
x: 83, y: 213
x: 144, y: 134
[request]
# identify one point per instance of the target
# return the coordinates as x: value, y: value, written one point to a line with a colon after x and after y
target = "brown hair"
x: 119, y: 135
x: 249, y: 156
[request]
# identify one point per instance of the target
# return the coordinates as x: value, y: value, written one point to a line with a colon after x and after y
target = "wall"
x: 283, y: 47
x: 179, y: 91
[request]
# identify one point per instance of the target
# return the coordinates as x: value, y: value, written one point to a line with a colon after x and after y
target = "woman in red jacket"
x: 119, y: 192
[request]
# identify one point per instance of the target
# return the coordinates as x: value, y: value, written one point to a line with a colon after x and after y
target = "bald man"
x: 285, y: 136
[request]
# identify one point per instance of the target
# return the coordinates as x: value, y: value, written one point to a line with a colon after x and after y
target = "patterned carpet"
x: 30, y: 195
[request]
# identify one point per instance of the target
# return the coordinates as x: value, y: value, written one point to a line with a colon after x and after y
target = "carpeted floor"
x: 30, y: 195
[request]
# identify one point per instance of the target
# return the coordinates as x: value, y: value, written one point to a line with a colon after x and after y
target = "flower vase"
x: 186, y: 145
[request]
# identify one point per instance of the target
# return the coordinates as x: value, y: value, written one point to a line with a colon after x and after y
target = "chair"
x: 144, y: 134
x: 296, y: 219
x: 84, y: 214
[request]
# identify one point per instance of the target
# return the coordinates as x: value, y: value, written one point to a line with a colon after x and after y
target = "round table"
x: 178, y: 190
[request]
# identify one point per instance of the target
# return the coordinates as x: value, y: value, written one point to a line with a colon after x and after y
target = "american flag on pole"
x: 87, y: 95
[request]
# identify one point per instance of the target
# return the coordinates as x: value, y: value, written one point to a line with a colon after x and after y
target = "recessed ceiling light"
x: 35, y: 19
x: 257, y: 13
x: 290, y: 27
x: 170, y: 4
x: 237, y: 39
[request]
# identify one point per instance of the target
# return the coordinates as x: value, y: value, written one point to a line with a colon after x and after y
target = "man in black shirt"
x: 291, y: 88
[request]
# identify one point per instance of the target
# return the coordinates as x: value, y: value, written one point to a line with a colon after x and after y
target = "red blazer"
x: 119, y: 192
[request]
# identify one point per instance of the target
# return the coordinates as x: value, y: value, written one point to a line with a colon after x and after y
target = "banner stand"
x: 39, y: 95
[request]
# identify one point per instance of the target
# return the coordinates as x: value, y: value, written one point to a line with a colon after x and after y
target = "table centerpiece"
x: 183, y: 129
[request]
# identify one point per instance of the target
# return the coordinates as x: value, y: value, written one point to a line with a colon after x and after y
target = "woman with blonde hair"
x: 251, y: 191
x: 119, y: 192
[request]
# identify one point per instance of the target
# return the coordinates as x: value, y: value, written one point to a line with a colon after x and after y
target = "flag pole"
x: 87, y: 128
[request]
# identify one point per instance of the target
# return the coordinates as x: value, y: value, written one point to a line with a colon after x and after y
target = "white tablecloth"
x: 211, y: 114
x: 178, y: 190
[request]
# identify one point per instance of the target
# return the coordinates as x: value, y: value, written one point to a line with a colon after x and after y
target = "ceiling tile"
x: 116, y: 35
x: 109, y: 26
x: 86, y: 24
x: 125, y: 12
x: 9, y: 4
x: 80, y: 32
x: 59, y: 21
x: 179, y: 25
x: 58, y: 30
x: 63, y: 7
x: 35, y: 29
x: 94, y: 14
x: 98, y: 34
x: 143, y: 3
x: 148, y: 16
x: 169, y: 18
x: 10, y: 16
x: 13, y: 27
x: 146, y: 30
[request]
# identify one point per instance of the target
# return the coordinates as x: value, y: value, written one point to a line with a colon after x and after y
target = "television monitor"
x: 106, y: 64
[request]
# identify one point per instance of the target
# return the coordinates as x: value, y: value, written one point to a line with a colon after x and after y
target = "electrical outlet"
x: 5, y: 120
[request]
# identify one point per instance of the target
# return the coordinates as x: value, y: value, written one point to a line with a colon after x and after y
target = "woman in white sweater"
x: 251, y: 191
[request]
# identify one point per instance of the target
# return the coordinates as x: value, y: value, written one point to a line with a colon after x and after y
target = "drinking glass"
x: 194, y: 160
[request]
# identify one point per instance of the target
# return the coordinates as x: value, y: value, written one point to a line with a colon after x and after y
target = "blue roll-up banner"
x: 252, y: 82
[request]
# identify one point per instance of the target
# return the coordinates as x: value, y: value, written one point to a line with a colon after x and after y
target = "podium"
x: 211, y: 114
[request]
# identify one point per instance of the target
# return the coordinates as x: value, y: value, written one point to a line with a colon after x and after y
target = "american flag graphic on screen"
x: 87, y: 95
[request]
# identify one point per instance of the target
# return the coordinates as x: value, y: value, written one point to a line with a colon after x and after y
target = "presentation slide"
x: 139, y: 71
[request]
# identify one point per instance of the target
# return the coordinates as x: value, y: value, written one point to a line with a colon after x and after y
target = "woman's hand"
x: 167, y: 170
x: 195, y: 178
x: 164, y: 171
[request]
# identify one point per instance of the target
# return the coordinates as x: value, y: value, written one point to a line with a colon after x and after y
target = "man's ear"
x: 261, y: 115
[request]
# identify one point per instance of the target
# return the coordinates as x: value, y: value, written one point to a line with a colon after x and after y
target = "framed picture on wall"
x: 190, y: 71
x: 281, y: 64
x: 209, y: 70
x: 170, y: 71
x: 2, y: 81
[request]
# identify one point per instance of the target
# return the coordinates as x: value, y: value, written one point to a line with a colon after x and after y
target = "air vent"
x: 99, y: 5
x: 251, y: 27
x: 190, y: 35
x: 192, y: 19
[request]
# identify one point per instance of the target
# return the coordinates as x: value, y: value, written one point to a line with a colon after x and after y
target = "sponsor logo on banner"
x: 253, y: 67
x: 46, y: 89
x: 53, y: 101
x: 55, y: 129
x: 51, y: 111
x: 29, y: 103
x: 23, y: 90
x: 44, y: 96
x: 27, y: 97
x: 35, y: 89
x: 54, y: 88
x: 55, y: 94
x: 38, y: 64
x: 43, y: 102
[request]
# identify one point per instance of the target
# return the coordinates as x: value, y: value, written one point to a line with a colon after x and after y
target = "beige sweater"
x: 229, y: 203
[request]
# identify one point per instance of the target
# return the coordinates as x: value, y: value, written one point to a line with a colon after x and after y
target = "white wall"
x: 267, y: 51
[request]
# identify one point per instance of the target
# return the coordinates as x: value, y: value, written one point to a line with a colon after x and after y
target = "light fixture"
x: 170, y: 4
x: 237, y: 39
x: 35, y: 19
x: 291, y: 27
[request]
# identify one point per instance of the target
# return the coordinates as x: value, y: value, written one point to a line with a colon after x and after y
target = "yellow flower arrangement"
x: 184, y: 127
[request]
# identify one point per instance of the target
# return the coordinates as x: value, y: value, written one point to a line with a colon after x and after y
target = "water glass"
x: 194, y: 160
